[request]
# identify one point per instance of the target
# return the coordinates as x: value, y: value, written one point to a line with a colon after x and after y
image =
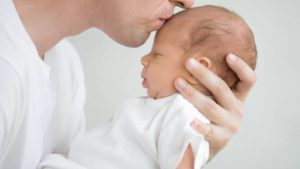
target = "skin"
x: 128, y: 23
x: 226, y: 112
x: 163, y: 65
x: 165, y: 62
x: 114, y: 17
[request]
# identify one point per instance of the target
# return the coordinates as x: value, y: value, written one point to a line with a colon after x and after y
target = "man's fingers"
x: 213, y: 134
x: 202, y: 128
x: 245, y: 74
x: 220, y: 90
x: 208, y: 107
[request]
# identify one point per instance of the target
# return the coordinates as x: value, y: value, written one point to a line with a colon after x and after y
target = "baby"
x: 154, y: 132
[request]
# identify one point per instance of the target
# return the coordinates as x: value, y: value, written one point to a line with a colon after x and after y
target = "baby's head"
x: 205, y: 33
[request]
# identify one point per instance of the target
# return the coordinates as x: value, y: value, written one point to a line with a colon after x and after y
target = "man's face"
x: 165, y: 62
x: 130, y: 22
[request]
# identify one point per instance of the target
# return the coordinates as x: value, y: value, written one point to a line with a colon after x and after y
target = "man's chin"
x: 134, y: 42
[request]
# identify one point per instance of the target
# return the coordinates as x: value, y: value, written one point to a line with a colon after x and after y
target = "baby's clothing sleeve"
x: 176, y: 134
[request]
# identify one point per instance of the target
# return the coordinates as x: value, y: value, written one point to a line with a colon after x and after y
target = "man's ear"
x: 205, y: 62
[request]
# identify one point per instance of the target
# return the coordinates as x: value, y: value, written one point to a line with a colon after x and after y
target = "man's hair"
x: 219, y: 33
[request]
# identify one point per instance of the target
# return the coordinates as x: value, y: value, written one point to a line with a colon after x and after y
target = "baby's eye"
x: 157, y: 55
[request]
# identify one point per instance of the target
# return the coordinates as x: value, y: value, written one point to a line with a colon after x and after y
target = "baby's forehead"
x: 182, y: 24
x: 177, y: 30
x: 198, y: 14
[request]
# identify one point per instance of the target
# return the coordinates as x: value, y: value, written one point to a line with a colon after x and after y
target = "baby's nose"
x: 144, y: 60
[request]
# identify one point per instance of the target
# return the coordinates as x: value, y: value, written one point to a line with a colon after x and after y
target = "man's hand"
x: 226, y: 110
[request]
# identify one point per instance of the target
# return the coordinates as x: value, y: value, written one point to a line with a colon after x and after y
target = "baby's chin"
x: 159, y: 95
x: 151, y: 94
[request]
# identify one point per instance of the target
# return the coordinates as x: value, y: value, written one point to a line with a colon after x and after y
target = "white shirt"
x: 144, y: 133
x: 41, y: 102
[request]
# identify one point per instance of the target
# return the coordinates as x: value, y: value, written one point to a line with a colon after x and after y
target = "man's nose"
x: 183, y: 3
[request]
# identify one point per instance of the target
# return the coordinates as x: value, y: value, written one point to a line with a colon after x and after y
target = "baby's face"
x: 164, y: 63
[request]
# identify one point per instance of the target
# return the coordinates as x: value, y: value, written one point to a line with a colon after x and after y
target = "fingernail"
x: 196, y: 123
x: 192, y: 63
x: 181, y: 84
x: 232, y: 57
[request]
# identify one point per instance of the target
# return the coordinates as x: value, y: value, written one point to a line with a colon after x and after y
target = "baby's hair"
x: 219, y: 33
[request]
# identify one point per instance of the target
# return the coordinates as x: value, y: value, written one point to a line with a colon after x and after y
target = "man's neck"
x: 49, y: 21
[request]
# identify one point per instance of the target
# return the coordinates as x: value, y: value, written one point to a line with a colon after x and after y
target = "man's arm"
x: 226, y: 112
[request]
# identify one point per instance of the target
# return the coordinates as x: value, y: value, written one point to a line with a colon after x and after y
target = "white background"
x: 269, y: 137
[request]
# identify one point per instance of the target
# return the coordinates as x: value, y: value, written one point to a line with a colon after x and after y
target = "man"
x: 42, y: 88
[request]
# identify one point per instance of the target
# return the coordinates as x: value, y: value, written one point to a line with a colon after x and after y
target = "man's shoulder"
x: 9, y: 75
x: 7, y: 68
x: 13, y: 66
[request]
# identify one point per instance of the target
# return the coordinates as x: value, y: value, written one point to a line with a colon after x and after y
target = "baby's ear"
x: 205, y: 61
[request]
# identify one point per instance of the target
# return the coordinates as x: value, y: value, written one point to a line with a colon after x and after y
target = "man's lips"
x: 164, y: 19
